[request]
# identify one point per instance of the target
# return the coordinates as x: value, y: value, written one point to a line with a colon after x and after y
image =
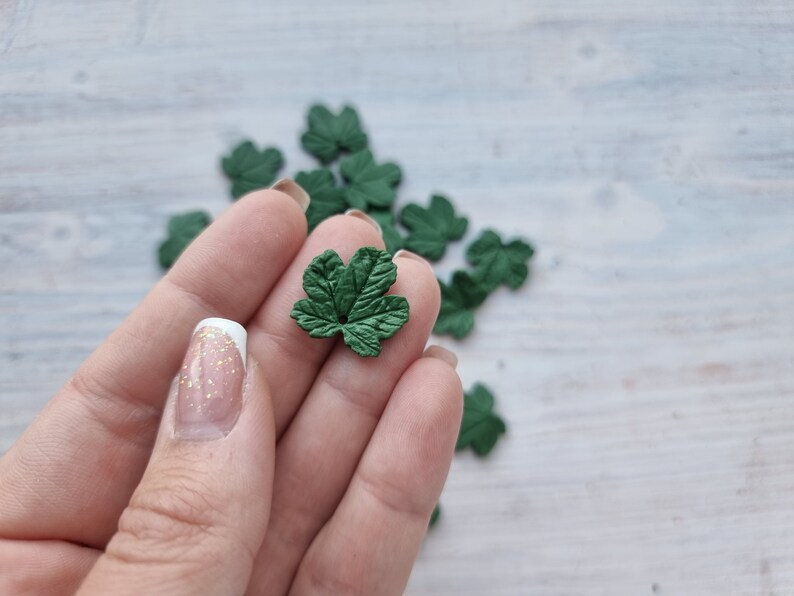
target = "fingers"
x: 371, y: 542
x: 73, y: 471
x: 289, y: 357
x: 319, y: 452
x: 198, y: 516
x: 39, y: 567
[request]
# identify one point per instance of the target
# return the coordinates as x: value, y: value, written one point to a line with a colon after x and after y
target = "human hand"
x: 316, y: 471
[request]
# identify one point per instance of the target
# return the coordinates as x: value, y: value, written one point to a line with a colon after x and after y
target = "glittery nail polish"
x: 210, y: 383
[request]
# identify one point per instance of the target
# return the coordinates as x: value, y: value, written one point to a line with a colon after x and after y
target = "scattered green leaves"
x: 349, y: 299
x: 480, y: 428
x: 327, y: 199
x: 369, y: 184
x: 496, y: 263
x: 458, y: 301
x: 391, y: 236
x: 328, y: 135
x: 182, y: 229
x: 432, y: 227
x: 250, y: 169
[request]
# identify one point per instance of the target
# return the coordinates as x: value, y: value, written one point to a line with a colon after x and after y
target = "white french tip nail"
x: 233, y: 329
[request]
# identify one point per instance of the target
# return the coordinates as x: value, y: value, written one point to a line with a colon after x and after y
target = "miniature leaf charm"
x: 250, y: 169
x: 182, y: 229
x: 480, y: 428
x: 369, y: 184
x: 433, y: 227
x: 329, y: 134
x: 458, y: 301
x: 327, y: 198
x: 496, y: 263
x: 350, y: 299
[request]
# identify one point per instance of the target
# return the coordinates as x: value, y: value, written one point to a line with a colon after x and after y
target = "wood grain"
x: 646, y: 148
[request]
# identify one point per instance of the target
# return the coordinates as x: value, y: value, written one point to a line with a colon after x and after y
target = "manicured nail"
x: 407, y: 254
x: 293, y: 189
x: 442, y: 354
x: 210, y: 386
x: 359, y: 214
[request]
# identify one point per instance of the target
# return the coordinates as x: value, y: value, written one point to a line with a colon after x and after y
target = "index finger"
x: 72, y: 472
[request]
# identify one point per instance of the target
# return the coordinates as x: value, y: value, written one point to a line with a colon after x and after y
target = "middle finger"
x: 290, y: 358
x: 318, y: 454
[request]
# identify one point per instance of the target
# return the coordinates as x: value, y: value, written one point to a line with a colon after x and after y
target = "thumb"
x: 198, y: 517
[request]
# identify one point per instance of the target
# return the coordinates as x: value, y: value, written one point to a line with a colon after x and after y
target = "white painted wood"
x: 647, y: 148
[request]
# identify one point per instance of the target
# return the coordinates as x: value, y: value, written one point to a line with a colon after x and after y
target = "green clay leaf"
x: 391, y: 236
x: 496, y: 263
x: 434, y: 516
x: 327, y: 199
x: 182, y: 229
x: 369, y: 184
x: 480, y: 428
x: 328, y: 135
x: 458, y: 301
x: 250, y: 169
x: 432, y: 227
x: 349, y: 299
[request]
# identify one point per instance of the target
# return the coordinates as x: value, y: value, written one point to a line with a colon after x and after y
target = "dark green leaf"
x: 391, y: 236
x: 496, y: 263
x: 182, y: 229
x: 435, y: 515
x: 480, y: 427
x: 327, y: 198
x: 349, y: 299
x: 250, y: 169
x: 431, y: 228
x: 329, y: 134
x: 369, y: 184
x: 458, y: 301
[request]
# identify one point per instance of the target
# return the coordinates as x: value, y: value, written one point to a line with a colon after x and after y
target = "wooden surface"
x: 646, y: 148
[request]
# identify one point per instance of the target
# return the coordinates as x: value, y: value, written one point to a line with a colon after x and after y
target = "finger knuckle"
x: 320, y: 577
x: 168, y: 516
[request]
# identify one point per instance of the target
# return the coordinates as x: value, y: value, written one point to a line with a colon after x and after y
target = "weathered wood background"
x: 645, y: 147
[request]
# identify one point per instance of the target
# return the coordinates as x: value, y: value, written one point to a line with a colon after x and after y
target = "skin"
x: 326, y: 482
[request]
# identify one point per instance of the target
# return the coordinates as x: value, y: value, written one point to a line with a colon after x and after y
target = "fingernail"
x: 442, y: 354
x: 407, y: 254
x: 293, y: 189
x: 359, y: 214
x: 210, y: 386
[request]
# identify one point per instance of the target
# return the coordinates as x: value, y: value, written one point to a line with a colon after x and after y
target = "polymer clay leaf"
x: 391, y: 236
x: 435, y: 515
x: 369, y: 184
x: 328, y: 135
x: 350, y: 299
x: 182, y: 229
x: 432, y: 227
x: 250, y: 169
x: 327, y: 198
x: 480, y: 427
x: 496, y: 263
x: 458, y: 301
